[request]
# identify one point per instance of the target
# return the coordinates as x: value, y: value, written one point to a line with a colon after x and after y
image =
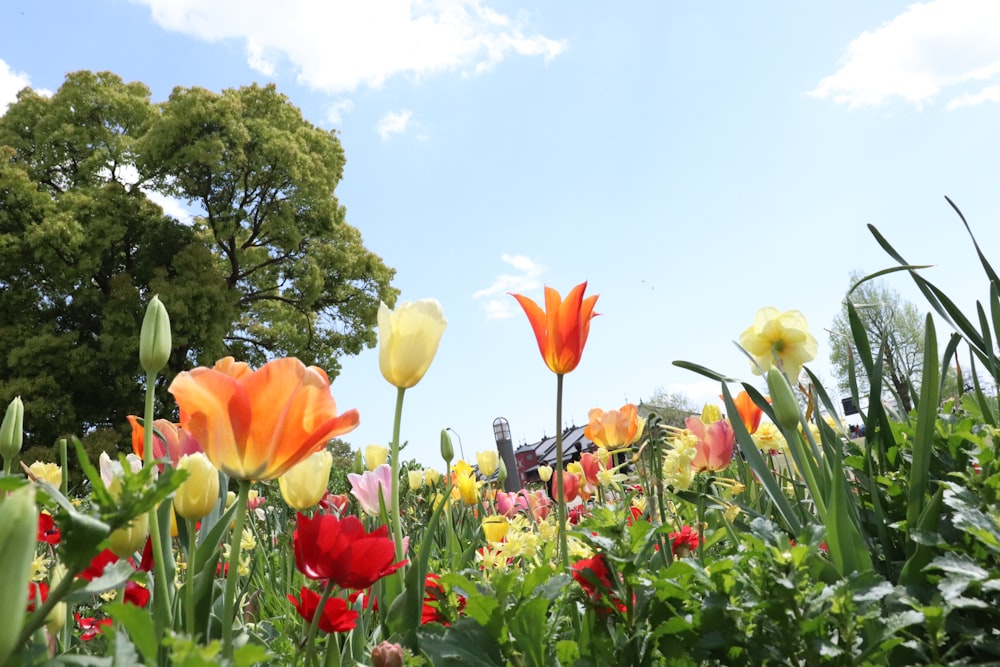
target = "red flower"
x: 47, y: 531
x: 436, y: 602
x: 333, y: 503
x: 592, y: 575
x: 634, y: 513
x: 330, y: 548
x: 96, y: 567
x: 337, y: 616
x: 136, y: 594
x: 37, y: 592
x: 561, y: 329
x: 91, y: 627
x: 684, y: 542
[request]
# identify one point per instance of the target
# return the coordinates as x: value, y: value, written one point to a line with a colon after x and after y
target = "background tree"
x: 671, y: 407
x: 891, y: 323
x: 267, y: 267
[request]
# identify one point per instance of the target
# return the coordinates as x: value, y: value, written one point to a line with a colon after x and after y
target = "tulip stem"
x: 560, y: 496
x: 235, y: 543
x: 397, y: 528
x: 163, y: 618
x: 314, y: 624
x: 192, y: 533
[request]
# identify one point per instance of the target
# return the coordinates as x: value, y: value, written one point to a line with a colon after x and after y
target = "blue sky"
x: 692, y: 161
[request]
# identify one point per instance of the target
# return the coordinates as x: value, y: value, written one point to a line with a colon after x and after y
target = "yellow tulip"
x: 199, y: 493
x: 495, y: 528
x: 544, y: 473
x: 415, y: 478
x: 488, y: 462
x: 306, y: 483
x: 468, y: 491
x: 408, y: 339
x: 47, y: 472
x: 126, y: 541
x: 432, y: 476
x: 375, y: 455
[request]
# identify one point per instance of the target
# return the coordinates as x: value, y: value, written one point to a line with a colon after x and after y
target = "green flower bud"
x: 18, y: 530
x: 12, y: 430
x: 502, y: 475
x: 358, y: 467
x: 447, y: 449
x: 786, y: 408
x: 154, y: 338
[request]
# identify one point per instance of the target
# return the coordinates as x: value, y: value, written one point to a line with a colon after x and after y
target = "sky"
x: 692, y: 161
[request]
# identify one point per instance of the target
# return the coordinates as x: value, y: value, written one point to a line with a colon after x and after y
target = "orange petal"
x: 216, y: 411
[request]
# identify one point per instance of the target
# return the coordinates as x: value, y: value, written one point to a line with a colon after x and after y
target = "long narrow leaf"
x: 701, y: 370
x: 923, y: 438
x: 982, y: 258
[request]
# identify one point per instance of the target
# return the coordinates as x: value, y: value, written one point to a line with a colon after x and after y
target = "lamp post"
x: 501, y: 433
x: 460, y: 449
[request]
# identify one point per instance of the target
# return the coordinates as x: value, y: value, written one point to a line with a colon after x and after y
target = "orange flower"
x: 562, y: 328
x: 615, y: 428
x: 258, y: 424
x: 749, y: 413
x: 175, y: 443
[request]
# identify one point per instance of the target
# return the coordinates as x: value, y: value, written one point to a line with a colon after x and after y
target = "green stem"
x: 314, y: 624
x: 560, y: 497
x: 701, y: 518
x: 394, y: 519
x: 191, y: 571
x: 37, y: 619
x: 235, y: 543
x: 332, y: 651
x: 162, y: 591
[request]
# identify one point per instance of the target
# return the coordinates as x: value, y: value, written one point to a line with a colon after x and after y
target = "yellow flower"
x: 375, y: 455
x: 711, y: 413
x: 465, y: 482
x: 677, y: 470
x: 408, y: 339
x: 247, y: 541
x: 495, y: 528
x: 306, y: 482
x: 432, y: 476
x: 415, y: 478
x: 615, y: 428
x: 57, y: 616
x: 48, y: 472
x: 769, y: 437
x: 199, y: 493
x: 126, y: 541
x: 544, y: 473
x: 488, y: 462
x: 781, y: 335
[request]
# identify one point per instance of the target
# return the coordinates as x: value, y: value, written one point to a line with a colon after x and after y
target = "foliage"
x: 267, y: 267
x: 672, y: 408
x: 892, y: 324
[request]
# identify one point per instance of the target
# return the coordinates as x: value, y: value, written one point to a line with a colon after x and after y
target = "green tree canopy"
x: 892, y: 324
x: 266, y: 267
x: 671, y: 407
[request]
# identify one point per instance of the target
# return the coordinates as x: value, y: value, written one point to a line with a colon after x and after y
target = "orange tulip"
x: 615, y: 428
x: 257, y: 424
x: 749, y: 413
x: 562, y: 328
x: 175, y: 444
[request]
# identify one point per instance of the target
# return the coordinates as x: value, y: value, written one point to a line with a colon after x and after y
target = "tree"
x: 671, y: 407
x: 268, y: 266
x: 892, y: 325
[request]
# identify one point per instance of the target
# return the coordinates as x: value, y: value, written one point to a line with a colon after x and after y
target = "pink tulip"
x: 715, y: 444
x: 367, y: 486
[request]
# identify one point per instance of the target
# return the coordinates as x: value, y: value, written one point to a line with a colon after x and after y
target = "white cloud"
x: 500, y: 306
x: 338, y: 46
x: 11, y: 83
x: 394, y: 122
x: 930, y: 47
x: 988, y: 94
x: 335, y: 112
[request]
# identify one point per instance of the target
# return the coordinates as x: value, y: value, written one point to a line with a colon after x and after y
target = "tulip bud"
x: 57, y: 617
x: 358, y: 465
x: 18, y: 530
x: 415, y: 478
x: 305, y: 484
x: 544, y: 473
x: 431, y: 476
x: 447, y: 449
x: 154, y: 337
x: 488, y: 462
x: 786, y: 408
x: 12, y: 430
x: 502, y: 475
x: 126, y: 541
x: 375, y: 455
x: 387, y: 655
x: 199, y: 493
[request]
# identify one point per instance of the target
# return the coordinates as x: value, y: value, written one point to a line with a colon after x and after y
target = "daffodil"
x: 779, y: 335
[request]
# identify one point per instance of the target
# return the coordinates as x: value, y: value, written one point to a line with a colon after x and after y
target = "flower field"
x: 762, y: 531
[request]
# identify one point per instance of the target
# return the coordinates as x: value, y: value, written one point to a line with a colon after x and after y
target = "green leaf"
x: 529, y: 628
x: 464, y: 644
x: 139, y: 625
x: 250, y: 654
x: 923, y: 439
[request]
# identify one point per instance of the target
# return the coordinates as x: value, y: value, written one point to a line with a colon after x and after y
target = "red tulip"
x: 562, y: 328
x: 328, y: 548
x: 336, y: 617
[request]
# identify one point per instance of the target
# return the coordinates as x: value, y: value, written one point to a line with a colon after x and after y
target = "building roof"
x: 574, y: 444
